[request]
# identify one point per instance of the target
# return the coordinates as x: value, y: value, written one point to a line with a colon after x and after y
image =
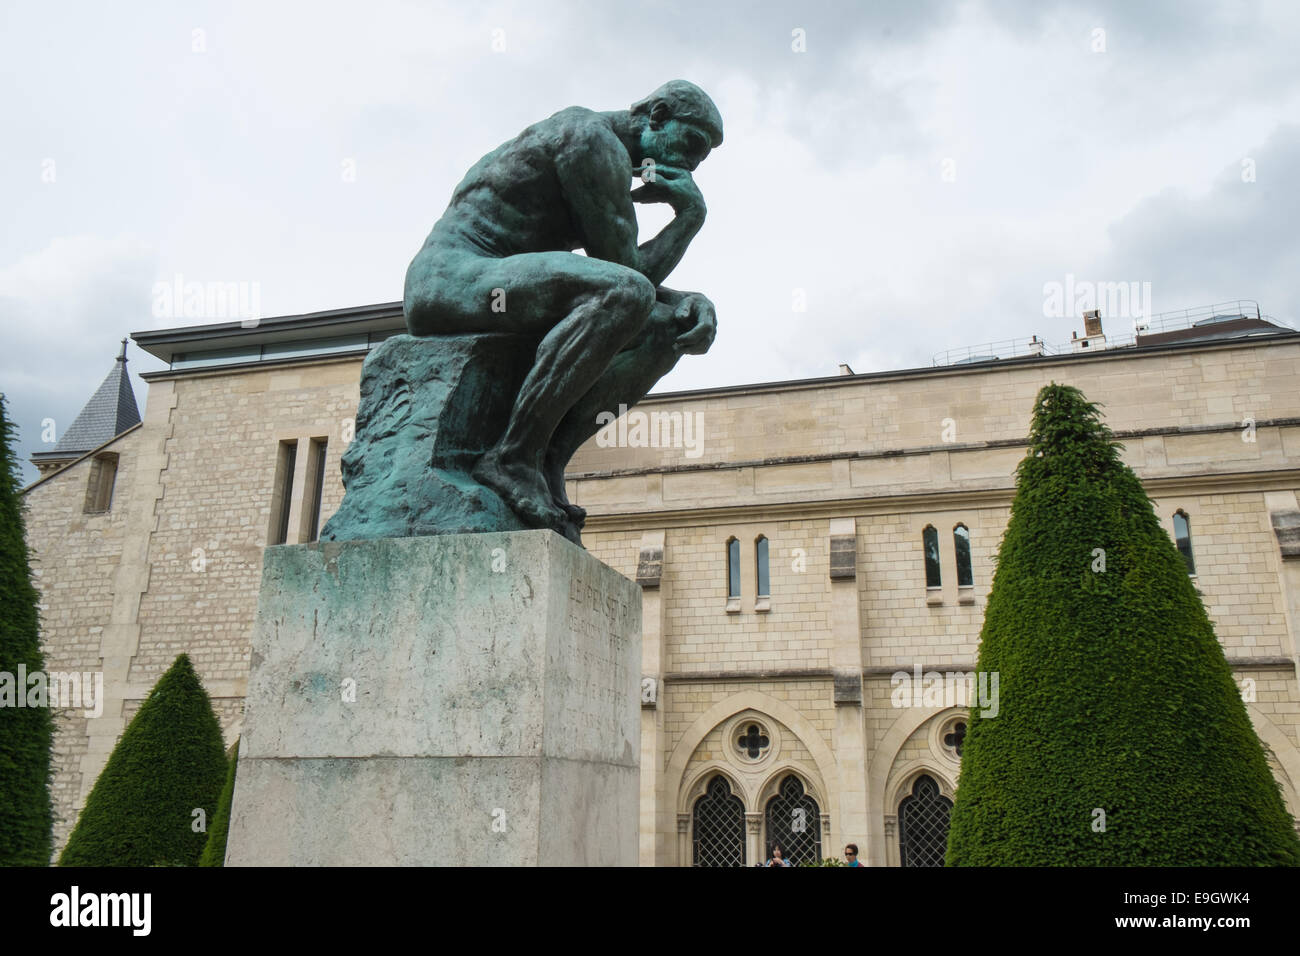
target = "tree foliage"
x: 1120, y: 738
x: 214, y: 853
x: 26, y: 732
x: 169, y: 763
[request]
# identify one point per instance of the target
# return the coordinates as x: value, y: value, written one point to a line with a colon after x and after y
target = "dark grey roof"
x: 1215, y: 327
x: 110, y: 411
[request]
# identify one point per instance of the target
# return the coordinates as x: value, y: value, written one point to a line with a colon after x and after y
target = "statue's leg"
x: 630, y: 376
x: 586, y: 311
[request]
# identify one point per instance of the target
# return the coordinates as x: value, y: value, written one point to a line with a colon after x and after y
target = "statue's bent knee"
x: 631, y: 294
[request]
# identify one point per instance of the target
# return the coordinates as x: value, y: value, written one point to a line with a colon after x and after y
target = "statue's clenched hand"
x: 673, y: 186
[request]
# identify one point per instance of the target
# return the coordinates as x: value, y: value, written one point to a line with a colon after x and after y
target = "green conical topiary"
x: 169, y: 763
x: 1114, y: 695
x: 26, y: 732
x: 214, y: 852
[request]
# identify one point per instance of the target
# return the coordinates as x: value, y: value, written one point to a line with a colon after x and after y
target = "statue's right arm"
x: 595, y: 179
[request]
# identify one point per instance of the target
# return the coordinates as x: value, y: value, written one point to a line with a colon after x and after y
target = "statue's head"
x: 680, y: 125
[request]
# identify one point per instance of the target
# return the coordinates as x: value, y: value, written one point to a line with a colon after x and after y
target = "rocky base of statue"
x: 429, y: 409
x: 459, y: 700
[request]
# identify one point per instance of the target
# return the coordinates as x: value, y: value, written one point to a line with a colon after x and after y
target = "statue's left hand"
x: 696, y: 315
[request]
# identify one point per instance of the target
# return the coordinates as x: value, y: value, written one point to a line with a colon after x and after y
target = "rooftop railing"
x: 992, y: 351
x: 1172, y: 321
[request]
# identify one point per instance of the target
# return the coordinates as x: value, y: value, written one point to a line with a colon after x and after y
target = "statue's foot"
x: 572, y: 531
x: 555, y: 481
x: 523, y: 489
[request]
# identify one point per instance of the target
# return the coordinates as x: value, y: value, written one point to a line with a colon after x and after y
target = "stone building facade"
x: 779, y: 531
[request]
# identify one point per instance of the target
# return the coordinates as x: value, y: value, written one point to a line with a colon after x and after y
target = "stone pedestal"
x: 447, y: 700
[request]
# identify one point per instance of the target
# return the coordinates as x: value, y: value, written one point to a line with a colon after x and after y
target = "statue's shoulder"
x: 578, y: 117
x: 579, y: 126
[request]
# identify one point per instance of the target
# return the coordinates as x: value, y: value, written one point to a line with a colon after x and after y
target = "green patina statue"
x: 604, y: 328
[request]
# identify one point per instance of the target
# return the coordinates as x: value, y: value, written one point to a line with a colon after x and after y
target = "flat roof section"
x: 237, y: 337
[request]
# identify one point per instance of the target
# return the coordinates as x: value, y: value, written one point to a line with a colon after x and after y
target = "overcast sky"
x: 918, y: 170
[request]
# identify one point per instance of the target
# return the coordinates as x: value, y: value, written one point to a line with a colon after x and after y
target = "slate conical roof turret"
x: 110, y: 411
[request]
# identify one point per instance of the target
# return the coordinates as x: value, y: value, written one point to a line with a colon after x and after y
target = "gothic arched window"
x: 719, y: 826
x: 760, y: 560
x: 930, y: 541
x: 1183, y: 538
x: 794, y: 821
x: 961, y: 542
x: 923, y: 824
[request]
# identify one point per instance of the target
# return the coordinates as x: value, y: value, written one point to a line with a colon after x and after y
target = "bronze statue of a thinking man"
x: 501, y: 259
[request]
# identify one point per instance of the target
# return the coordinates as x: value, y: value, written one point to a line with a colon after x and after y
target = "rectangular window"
x: 1183, y: 538
x: 99, y: 484
x: 282, y: 498
x: 961, y: 543
x: 318, y: 486
x: 733, y: 568
x: 930, y: 544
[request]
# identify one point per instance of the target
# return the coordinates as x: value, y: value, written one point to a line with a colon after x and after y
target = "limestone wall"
x: 175, y: 565
x: 74, y: 560
x: 1225, y: 383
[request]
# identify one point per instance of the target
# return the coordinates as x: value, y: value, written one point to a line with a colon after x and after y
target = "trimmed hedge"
x: 1114, y: 692
x: 26, y: 733
x: 214, y: 851
x: 169, y: 762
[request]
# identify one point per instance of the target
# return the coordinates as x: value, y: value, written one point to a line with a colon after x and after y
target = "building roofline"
x: 207, y: 371
x: 80, y: 458
x: 976, y: 368
x: 166, y: 343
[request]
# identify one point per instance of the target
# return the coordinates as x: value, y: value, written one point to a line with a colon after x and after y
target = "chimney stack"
x: 1093, y: 337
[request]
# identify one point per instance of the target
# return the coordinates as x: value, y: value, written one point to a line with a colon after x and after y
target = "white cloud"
x: 65, y: 309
